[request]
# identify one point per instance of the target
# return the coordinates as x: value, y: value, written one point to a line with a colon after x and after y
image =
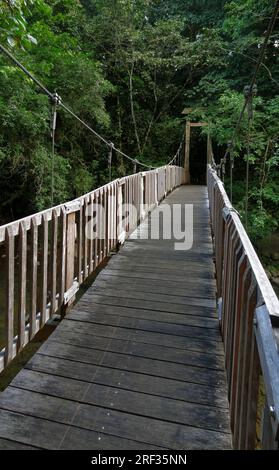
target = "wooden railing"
x: 249, y: 312
x: 45, y: 257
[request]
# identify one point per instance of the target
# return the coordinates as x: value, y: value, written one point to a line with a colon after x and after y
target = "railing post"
x: 71, y: 285
x: 209, y: 150
x: 54, y: 239
x: 44, y: 262
x: 70, y: 250
x: 10, y: 287
x: 187, y: 153
x: 34, y: 277
x: 156, y: 187
x: 121, y: 232
x: 142, y: 196
x: 22, y: 286
x: 135, y: 165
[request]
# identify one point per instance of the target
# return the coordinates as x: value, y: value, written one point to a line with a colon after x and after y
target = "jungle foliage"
x: 129, y: 68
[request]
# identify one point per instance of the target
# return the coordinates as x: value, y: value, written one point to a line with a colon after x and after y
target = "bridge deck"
x: 137, y: 363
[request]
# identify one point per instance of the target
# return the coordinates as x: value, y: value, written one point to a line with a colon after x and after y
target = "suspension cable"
x: 53, y: 97
x: 24, y: 70
x: 177, y: 153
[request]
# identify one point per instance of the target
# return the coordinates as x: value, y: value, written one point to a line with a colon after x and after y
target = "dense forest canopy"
x: 129, y: 68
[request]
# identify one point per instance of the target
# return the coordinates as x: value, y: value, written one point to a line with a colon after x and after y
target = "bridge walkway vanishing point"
x: 138, y: 362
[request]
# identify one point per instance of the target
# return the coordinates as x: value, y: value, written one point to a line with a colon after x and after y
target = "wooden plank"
x: 209, y: 377
x: 177, y: 269
x: 160, y: 250
x: 160, y: 276
x: 150, y: 351
x: 5, y: 444
x: 159, y: 273
x: 111, y: 421
x: 172, y: 329
x: 46, y: 371
x: 167, y: 288
x: 83, y: 311
x: 161, y: 408
x: 46, y: 434
x: 145, y: 336
x: 155, y: 305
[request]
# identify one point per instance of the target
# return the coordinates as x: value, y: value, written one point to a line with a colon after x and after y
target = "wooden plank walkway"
x: 137, y: 363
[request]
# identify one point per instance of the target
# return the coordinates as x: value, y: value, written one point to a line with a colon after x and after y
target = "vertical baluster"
x: 86, y: 233
x: 22, y: 286
x: 115, y: 213
x: 112, y: 216
x: 252, y: 397
x: 63, y: 256
x: 70, y: 250
x: 43, y: 299
x: 34, y: 276
x: 97, y: 248
x: 133, y: 203
x: 80, y: 244
x: 148, y: 190
x: 104, y: 222
x: 92, y: 265
x: 248, y: 340
x: 241, y: 273
x: 223, y: 288
x: 128, y: 215
x: 135, y: 200
x: 54, y: 237
x: 228, y: 254
x: 109, y: 219
x: 99, y: 222
x: 10, y: 286
x: 229, y: 290
x: 238, y: 254
x: 240, y: 355
x: 157, y: 190
x: 129, y: 221
x: 104, y: 238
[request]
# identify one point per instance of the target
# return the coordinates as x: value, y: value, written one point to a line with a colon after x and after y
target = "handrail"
x: 249, y: 311
x: 46, y: 256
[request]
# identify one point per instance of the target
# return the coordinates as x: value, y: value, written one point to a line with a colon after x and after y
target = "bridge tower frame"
x: 188, y: 126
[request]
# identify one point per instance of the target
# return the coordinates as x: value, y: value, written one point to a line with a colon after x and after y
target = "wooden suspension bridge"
x: 167, y: 349
x: 139, y: 362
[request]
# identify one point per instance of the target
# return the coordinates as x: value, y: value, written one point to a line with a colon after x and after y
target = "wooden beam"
x: 187, y: 152
x: 198, y: 124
